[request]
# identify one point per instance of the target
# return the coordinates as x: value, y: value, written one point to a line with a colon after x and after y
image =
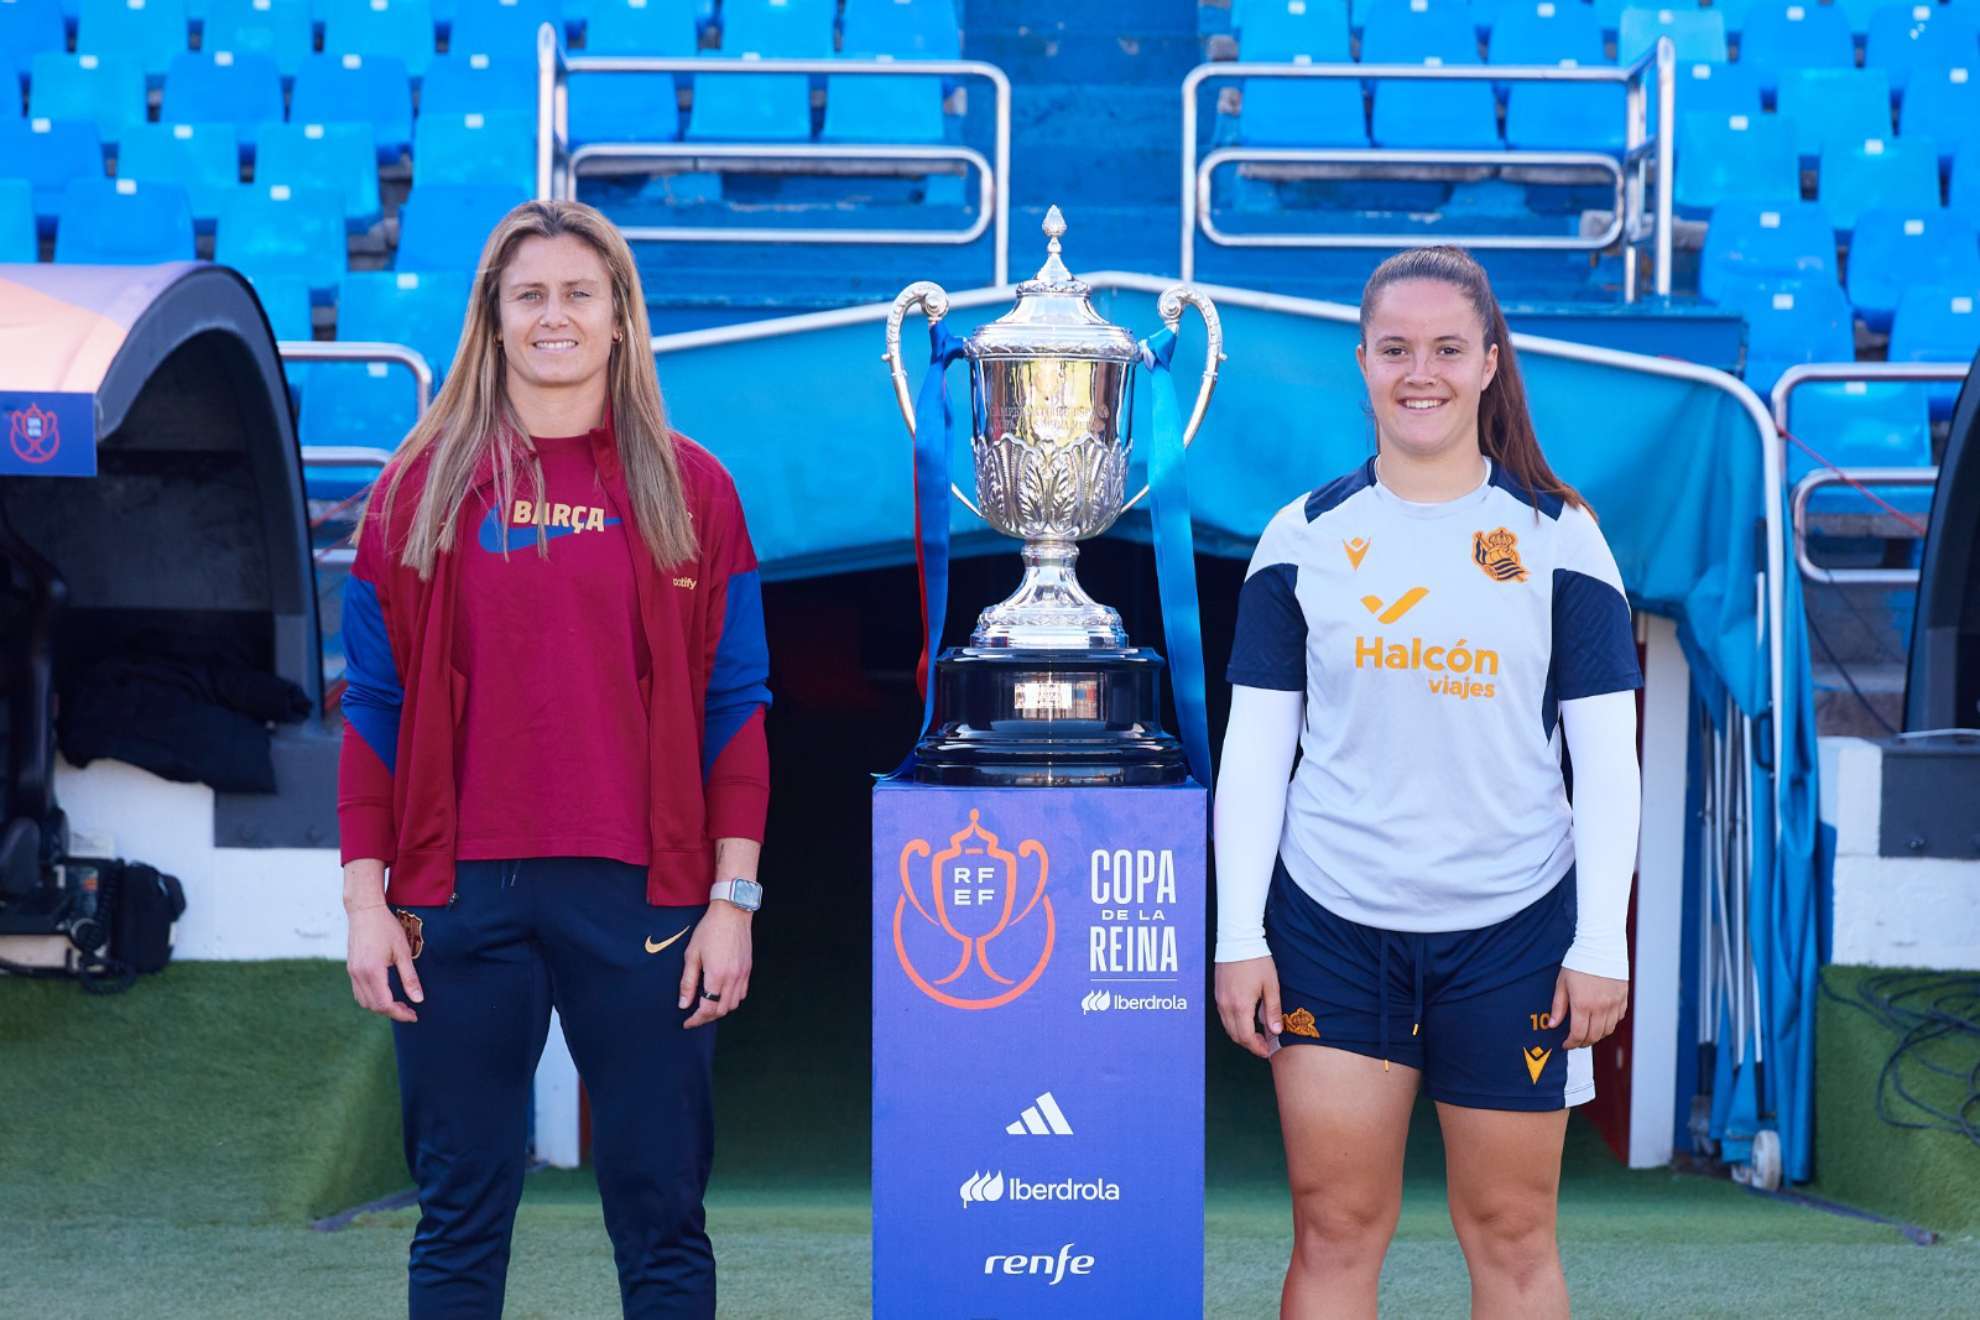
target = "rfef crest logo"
x: 967, y: 896
x: 33, y: 434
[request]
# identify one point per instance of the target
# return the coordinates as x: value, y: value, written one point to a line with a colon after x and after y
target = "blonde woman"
x: 554, y: 777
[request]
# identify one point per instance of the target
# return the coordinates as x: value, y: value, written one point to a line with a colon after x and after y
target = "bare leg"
x: 1504, y: 1170
x: 1345, y: 1120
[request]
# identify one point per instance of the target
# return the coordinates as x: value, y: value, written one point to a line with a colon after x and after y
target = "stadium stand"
x: 48, y: 153
x: 1460, y: 115
x: 1904, y: 38
x: 475, y: 148
x: 121, y: 222
x: 1547, y: 32
x: 1894, y: 249
x: 27, y: 28
x: 1793, y: 323
x: 1752, y: 247
x: 371, y: 404
x: 375, y: 88
x: 502, y: 29
x: 1834, y: 105
x: 1963, y: 193
x: 1778, y: 37
x: 339, y: 158
x: 632, y: 107
x: 762, y: 107
x: 277, y: 231
x: 459, y: 83
x: 18, y: 242
x: 1727, y: 157
x: 149, y: 31
x: 1287, y: 29
x: 905, y: 29
x: 402, y: 29
x: 1282, y: 112
x: 1900, y: 172
x: 1698, y: 34
x: 1937, y: 324
x: 868, y: 109
x: 442, y: 226
x: 1944, y: 105
x: 1859, y: 424
x: 281, y: 30
x: 221, y: 87
x: 104, y: 90
x: 203, y: 159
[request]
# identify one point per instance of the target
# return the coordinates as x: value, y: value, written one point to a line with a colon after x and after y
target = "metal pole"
x: 1666, y: 157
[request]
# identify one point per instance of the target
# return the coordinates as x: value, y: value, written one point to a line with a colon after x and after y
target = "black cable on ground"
x: 1815, y: 631
x: 1920, y: 1008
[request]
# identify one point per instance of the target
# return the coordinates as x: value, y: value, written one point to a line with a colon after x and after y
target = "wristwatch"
x: 745, y: 894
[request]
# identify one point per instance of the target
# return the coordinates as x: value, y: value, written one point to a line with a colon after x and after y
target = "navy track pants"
x: 517, y: 938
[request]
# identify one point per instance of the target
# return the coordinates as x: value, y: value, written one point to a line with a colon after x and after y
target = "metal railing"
x: 357, y: 456
x: 1632, y: 222
x: 1847, y: 373
x: 558, y: 166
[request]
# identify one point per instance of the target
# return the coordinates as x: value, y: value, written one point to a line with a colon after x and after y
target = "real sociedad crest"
x: 33, y: 434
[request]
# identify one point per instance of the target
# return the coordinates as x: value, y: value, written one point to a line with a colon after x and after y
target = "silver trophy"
x: 1051, y: 384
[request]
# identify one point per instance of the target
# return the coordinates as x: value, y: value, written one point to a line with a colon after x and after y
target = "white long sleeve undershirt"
x: 1263, y: 738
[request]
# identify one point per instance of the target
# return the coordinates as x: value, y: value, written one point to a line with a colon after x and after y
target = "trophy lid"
x: 1052, y: 317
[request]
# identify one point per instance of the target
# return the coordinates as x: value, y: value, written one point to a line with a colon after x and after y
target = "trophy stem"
x: 1050, y: 611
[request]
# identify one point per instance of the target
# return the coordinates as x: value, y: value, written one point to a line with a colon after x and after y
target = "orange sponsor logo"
x: 1497, y: 554
x: 1300, y: 1022
x: 1403, y: 604
x: 972, y: 893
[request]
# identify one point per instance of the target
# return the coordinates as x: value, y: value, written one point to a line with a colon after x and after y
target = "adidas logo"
x: 982, y: 1187
x: 1042, y: 1118
x: 1096, y: 1001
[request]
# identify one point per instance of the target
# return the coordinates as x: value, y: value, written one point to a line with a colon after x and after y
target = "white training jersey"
x: 1434, y: 643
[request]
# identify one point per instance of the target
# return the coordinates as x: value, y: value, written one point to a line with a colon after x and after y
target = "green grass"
x: 164, y: 1151
x: 1928, y: 1178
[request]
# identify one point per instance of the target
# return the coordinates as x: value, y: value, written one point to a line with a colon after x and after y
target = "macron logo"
x: 1041, y: 1118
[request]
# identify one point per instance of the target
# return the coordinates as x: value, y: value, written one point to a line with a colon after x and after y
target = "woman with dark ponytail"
x: 1418, y: 907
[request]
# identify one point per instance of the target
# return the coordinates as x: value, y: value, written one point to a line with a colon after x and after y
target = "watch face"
x: 746, y: 894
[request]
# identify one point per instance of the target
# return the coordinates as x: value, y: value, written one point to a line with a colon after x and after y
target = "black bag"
x: 122, y: 926
x: 143, y: 905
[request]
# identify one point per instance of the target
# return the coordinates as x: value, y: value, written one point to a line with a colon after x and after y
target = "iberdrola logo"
x: 965, y: 897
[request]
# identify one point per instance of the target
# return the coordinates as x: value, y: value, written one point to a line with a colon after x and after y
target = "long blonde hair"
x: 473, y: 419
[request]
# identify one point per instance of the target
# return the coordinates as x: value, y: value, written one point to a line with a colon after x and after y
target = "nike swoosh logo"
x: 651, y: 947
x: 520, y: 538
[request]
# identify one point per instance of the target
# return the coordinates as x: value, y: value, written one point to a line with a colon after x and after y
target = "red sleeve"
x: 738, y: 789
x: 373, y: 695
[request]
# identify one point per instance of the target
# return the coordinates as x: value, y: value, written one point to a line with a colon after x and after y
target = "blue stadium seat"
x: 364, y: 404
x: 1834, y: 105
x: 1944, y: 105
x: 762, y: 107
x: 28, y: 27
x: 282, y: 30
x: 1283, y: 112
x: 905, y: 29
x: 275, y: 231
x: 1438, y: 32
x: 104, y: 90
x: 1893, y: 249
x: 203, y: 159
x: 863, y: 108
x: 1963, y: 193
x: 285, y: 302
x: 442, y: 226
x: 462, y: 84
x: 1800, y: 35
x: 1795, y: 323
x: 1734, y: 158
x: 1905, y: 38
x: 1698, y: 34
x: 475, y: 148
x: 336, y: 158
x: 1547, y: 32
x: 1857, y: 424
x: 1900, y: 172
x: 1285, y: 29
x: 1706, y: 88
x: 48, y: 153
x: 220, y: 87
x: 149, y: 31
x: 1609, y: 14
x: 121, y: 222
x: 1735, y: 12
x: 1937, y: 324
x: 1567, y: 117
x: 503, y: 29
x: 17, y: 237
x: 1455, y: 116
x: 1859, y: 13
x: 402, y: 29
x: 632, y: 107
x: 354, y: 87
x: 1750, y: 246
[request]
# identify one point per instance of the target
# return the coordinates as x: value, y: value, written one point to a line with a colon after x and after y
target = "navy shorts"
x: 1467, y: 1008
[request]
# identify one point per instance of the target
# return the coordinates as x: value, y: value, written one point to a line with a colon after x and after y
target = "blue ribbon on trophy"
x: 934, y: 432
x: 1175, y: 556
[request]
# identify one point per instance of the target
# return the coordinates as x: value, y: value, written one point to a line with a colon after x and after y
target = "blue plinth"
x: 1038, y: 1002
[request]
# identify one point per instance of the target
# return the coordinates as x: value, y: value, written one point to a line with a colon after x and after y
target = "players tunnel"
x: 157, y: 602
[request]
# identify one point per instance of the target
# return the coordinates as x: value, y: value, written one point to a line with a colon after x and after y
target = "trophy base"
x: 1027, y: 719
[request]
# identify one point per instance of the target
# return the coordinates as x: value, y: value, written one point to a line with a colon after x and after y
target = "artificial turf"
x: 163, y: 1153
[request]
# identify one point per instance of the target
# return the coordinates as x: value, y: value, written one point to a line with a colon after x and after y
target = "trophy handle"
x: 934, y: 303
x: 1170, y: 309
